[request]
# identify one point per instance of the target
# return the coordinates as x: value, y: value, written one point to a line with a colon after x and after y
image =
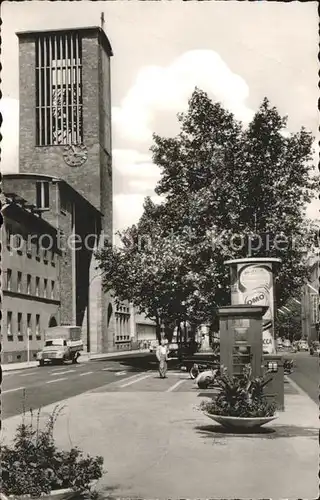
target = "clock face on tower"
x: 75, y: 155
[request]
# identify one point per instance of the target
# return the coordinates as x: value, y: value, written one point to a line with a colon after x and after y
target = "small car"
x: 153, y: 346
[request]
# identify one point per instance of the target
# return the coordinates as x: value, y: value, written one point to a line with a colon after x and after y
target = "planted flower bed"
x: 34, y: 466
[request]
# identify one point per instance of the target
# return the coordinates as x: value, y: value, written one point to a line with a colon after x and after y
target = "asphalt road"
x: 306, y: 373
x: 37, y: 387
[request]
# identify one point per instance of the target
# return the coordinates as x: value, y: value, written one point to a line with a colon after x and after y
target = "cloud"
x: 159, y: 89
x: 9, y: 109
x: 313, y: 210
x: 134, y: 172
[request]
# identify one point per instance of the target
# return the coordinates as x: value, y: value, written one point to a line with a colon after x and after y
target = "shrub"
x: 240, y: 396
x: 34, y: 465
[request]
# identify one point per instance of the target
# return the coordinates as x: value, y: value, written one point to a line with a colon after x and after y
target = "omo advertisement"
x: 252, y: 284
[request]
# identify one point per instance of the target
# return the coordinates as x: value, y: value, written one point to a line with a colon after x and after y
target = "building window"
x: 38, y: 326
x: 37, y: 286
x: 53, y: 258
x: 19, y: 280
x: 9, y: 279
x: 37, y: 250
x: 59, y: 89
x: 19, y: 329
x: 29, y: 330
x: 9, y: 324
x: 42, y: 194
x: 45, y: 287
x: 314, y: 309
x: 29, y: 284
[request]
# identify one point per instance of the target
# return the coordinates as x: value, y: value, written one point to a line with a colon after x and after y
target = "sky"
x: 238, y: 52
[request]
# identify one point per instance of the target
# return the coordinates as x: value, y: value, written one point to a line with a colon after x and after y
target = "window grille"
x: 59, y: 90
x: 19, y: 324
x: 42, y: 195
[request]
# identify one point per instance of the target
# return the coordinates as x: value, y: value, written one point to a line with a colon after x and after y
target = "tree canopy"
x: 228, y: 191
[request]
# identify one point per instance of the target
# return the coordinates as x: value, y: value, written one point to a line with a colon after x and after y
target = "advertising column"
x: 252, y: 284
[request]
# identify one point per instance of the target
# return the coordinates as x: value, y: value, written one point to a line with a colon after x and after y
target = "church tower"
x: 65, y: 131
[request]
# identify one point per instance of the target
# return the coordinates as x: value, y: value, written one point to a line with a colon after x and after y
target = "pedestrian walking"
x: 162, y: 356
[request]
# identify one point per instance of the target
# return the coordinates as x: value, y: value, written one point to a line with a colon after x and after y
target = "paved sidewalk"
x: 83, y: 359
x: 157, y: 446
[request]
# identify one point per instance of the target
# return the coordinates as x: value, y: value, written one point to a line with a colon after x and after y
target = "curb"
x: 299, y: 390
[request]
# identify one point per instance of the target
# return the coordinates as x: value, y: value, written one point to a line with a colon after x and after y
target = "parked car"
x: 303, y: 345
x: 173, y: 349
x: 315, y: 348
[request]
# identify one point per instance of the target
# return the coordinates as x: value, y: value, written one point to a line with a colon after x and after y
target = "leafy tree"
x: 228, y: 192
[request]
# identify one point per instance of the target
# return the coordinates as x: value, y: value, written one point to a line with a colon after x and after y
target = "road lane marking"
x: 174, y: 386
x: 56, y: 380
x: 136, y: 380
x: 85, y: 373
x: 62, y: 373
x: 120, y: 373
x: 27, y: 374
x: 12, y: 390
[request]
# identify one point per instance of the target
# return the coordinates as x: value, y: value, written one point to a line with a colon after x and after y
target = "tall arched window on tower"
x: 59, y: 89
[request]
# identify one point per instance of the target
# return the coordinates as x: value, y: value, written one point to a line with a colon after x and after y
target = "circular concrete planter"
x: 240, y: 422
x: 63, y: 494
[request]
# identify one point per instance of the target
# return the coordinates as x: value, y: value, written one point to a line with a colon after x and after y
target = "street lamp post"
x: 88, y: 312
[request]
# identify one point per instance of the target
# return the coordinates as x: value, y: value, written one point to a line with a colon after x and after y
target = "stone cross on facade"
x: 102, y: 20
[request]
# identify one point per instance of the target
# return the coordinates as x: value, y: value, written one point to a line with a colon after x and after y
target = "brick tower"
x: 65, y: 131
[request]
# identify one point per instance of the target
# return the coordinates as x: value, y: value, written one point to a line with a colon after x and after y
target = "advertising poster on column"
x: 252, y: 284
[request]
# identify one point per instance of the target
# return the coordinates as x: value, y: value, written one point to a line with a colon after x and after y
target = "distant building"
x: 65, y: 162
x: 145, y: 328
